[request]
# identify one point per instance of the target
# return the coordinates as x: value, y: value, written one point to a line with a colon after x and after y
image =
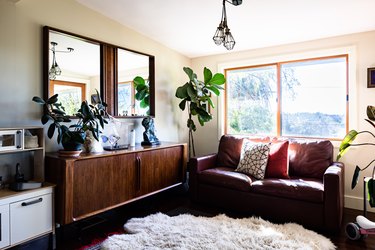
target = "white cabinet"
x: 30, y: 217
x: 4, y: 225
x: 28, y: 214
x: 25, y: 215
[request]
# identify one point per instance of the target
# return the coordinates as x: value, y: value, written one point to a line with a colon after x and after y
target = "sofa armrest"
x: 197, y: 165
x: 333, y: 181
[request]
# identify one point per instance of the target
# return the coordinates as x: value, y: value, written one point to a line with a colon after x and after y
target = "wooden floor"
x: 172, y: 202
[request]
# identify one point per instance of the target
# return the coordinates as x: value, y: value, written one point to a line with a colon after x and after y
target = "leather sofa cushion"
x: 309, y: 158
x: 278, y: 160
x: 230, y: 149
x: 225, y: 177
x: 306, y: 189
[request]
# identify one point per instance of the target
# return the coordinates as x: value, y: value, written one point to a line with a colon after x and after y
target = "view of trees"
x: 71, y: 100
x: 252, y: 105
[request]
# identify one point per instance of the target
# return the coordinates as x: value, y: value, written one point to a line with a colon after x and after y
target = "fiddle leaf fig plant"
x: 196, y: 96
x: 142, y: 88
x: 348, y: 142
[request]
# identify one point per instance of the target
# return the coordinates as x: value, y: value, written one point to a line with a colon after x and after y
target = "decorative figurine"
x: 149, y: 137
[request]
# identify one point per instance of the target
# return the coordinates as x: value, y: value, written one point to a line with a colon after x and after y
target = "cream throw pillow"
x: 254, y: 158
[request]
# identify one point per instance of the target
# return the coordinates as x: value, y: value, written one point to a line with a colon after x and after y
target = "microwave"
x: 11, y: 139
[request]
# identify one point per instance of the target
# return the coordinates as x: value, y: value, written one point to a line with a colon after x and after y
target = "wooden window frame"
x: 278, y: 84
x: 52, y: 84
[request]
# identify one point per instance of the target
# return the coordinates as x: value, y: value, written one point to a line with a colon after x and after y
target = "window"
x: 71, y: 94
x: 125, y: 98
x: 305, y: 98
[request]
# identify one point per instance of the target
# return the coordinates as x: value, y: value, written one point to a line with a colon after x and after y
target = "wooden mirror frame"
x: 108, y: 71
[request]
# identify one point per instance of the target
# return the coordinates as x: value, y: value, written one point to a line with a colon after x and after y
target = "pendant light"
x: 223, y: 34
x: 55, y: 69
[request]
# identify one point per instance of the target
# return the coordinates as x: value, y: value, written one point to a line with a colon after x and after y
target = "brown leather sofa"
x: 313, y: 195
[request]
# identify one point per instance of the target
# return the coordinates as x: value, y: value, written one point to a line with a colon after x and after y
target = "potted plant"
x: 348, y: 142
x: 142, y: 88
x: 90, y: 117
x: 196, y: 96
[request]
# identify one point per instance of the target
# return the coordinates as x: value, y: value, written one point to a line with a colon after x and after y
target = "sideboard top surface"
x: 130, y: 150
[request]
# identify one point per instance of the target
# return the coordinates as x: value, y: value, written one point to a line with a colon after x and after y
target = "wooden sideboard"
x: 93, y: 183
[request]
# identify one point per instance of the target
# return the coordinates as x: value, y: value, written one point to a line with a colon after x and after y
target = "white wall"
x: 21, y: 25
x: 362, y: 57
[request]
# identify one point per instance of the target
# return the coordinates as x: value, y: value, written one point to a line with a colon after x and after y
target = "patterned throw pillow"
x: 254, y: 157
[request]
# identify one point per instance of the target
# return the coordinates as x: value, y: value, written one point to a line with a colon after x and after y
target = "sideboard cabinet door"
x: 100, y: 183
x: 94, y: 183
x: 159, y: 169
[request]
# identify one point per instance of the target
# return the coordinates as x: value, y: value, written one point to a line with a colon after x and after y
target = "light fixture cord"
x: 54, y: 56
x: 224, y: 14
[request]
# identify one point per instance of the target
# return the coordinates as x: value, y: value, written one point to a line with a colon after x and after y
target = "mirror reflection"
x: 74, y: 70
x: 130, y: 66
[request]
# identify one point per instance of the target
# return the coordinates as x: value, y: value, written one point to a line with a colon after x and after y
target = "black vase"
x: 72, y: 141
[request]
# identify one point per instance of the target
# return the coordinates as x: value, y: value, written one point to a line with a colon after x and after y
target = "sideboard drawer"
x: 30, y: 217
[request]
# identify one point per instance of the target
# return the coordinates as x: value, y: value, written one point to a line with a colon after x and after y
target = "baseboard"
x: 355, y: 202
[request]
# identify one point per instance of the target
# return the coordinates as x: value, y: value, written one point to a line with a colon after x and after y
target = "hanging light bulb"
x: 228, y: 40
x: 219, y: 35
x: 223, y: 34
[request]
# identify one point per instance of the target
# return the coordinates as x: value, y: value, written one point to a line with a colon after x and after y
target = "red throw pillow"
x: 277, y: 166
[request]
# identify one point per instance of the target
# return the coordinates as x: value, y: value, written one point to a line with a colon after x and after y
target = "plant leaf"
x: 51, y: 130
x: 58, y: 111
x: 38, y: 100
x: 355, y: 176
x: 139, y: 81
x: 191, y: 125
x: 142, y: 88
x: 140, y: 95
x: 191, y: 92
x: 52, y: 99
x: 147, y: 100
x: 189, y: 72
x: 45, y: 118
x: 371, y: 192
x: 370, y: 112
x: 345, y: 143
x: 182, y: 105
x: 207, y: 75
x: 143, y: 104
x: 59, y: 135
x: 210, y: 102
x: 181, y: 92
x: 214, y: 89
x: 217, y: 79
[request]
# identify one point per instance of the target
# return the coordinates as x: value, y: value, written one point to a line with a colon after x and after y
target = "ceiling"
x: 188, y: 26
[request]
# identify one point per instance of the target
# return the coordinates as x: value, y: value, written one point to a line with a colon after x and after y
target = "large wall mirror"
x: 130, y: 66
x: 76, y: 66
x: 73, y: 69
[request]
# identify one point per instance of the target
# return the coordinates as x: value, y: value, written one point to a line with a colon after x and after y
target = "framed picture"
x: 371, y: 78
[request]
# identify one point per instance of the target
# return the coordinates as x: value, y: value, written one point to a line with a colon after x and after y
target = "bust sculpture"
x: 149, y: 137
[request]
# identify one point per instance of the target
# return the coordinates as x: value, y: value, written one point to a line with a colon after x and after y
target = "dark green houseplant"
x: 90, y: 117
x: 348, y: 142
x: 196, y: 96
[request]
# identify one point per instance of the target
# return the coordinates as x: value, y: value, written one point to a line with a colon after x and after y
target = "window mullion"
x: 278, y: 115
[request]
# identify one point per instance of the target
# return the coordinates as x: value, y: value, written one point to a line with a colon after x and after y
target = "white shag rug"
x: 159, y: 231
